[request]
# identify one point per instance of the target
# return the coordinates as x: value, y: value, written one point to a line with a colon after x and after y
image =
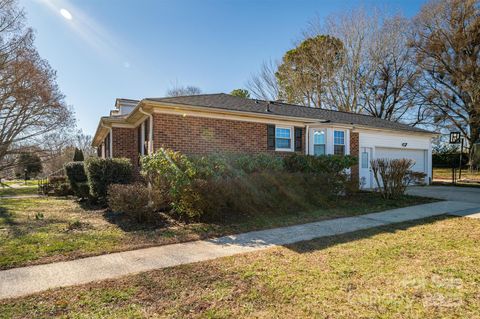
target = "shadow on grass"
x: 314, y: 236
x: 13, y: 226
x: 330, y: 241
x: 6, y: 216
x: 128, y: 225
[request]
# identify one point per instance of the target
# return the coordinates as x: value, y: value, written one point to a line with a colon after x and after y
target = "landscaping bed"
x: 42, y: 230
x: 422, y: 269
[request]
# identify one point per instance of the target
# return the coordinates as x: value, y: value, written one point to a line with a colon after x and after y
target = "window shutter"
x: 298, y: 139
x: 270, y: 137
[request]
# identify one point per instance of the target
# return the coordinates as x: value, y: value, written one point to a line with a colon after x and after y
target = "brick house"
x: 201, y: 124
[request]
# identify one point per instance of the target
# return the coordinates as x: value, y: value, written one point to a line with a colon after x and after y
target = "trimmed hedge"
x: 77, y: 178
x: 136, y: 201
x: 101, y: 173
x: 333, y: 164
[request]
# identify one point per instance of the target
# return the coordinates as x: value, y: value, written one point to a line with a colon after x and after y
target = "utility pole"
x: 455, y: 138
x: 460, y: 164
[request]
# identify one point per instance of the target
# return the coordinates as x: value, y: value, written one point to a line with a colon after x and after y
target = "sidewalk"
x: 20, y: 196
x: 27, y: 280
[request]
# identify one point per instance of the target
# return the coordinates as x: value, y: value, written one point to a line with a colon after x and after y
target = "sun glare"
x: 66, y: 14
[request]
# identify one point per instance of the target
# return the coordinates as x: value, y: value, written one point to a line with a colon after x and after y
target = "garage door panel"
x: 396, y: 153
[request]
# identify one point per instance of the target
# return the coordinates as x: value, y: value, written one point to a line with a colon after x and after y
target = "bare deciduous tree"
x: 389, y: 90
x: 84, y: 143
x: 355, y: 29
x: 180, y: 90
x: 378, y: 75
x: 31, y: 103
x: 263, y: 85
x: 447, y: 46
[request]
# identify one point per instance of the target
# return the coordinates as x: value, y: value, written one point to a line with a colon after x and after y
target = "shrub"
x: 62, y: 189
x: 57, y: 185
x: 57, y: 179
x: 103, y: 172
x: 212, y: 185
x: 391, y: 176
x: 331, y: 164
x: 332, y: 168
x: 77, y: 178
x: 168, y: 171
x: 136, y: 201
x: 173, y: 174
x: 257, y: 193
x: 78, y: 155
x: 235, y: 164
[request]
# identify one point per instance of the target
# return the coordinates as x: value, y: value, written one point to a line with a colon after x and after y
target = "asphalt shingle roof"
x: 230, y: 102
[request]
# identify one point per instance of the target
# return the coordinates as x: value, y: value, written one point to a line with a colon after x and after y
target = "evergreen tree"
x: 78, y: 156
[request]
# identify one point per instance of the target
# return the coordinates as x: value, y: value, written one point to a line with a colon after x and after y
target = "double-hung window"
x: 283, y: 138
x: 339, y: 142
x: 319, y: 142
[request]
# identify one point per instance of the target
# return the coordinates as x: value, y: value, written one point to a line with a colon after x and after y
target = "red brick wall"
x: 124, y: 143
x: 355, y: 151
x: 198, y: 135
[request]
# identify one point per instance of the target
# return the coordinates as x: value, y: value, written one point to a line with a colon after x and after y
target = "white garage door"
x: 419, y: 156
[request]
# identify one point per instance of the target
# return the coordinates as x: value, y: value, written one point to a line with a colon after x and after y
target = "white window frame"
x: 292, y: 142
x: 325, y: 132
x: 344, y: 141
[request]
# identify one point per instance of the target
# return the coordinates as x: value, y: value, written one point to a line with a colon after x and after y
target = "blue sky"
x: 140, y: 48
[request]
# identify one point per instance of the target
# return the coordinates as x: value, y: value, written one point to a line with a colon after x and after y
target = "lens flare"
x: 66, y: 14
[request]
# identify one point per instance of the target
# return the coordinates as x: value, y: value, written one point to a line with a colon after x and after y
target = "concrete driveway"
x: 459, y: 194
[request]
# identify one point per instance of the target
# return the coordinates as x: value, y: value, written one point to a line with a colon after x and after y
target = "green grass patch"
x: 422, y: 269
x: 18, y: 191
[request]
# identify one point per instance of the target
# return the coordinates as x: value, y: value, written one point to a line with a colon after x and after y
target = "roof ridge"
x: 191, y: 95
x: 329, y: 110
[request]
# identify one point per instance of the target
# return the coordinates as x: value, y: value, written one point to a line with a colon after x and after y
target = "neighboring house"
x: 201, y: 124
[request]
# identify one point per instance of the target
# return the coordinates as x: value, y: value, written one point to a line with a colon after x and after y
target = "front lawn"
x: 446, y: 174
x: 423, y: 269
x: 18, y: 191
x: 41, y: 230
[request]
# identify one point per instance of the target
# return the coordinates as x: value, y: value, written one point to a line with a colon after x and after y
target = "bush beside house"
x: 77, y: 178
x: 219, y: 185
x: 136, y: 201
x: 394, y: 175
x: 103, y: 172
x: 91, y: 179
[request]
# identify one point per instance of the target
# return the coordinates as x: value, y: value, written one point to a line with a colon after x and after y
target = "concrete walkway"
x: 22, y: 281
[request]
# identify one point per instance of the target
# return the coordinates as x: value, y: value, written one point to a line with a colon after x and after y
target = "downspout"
x: 150, y: 130
x: 307, y: 135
